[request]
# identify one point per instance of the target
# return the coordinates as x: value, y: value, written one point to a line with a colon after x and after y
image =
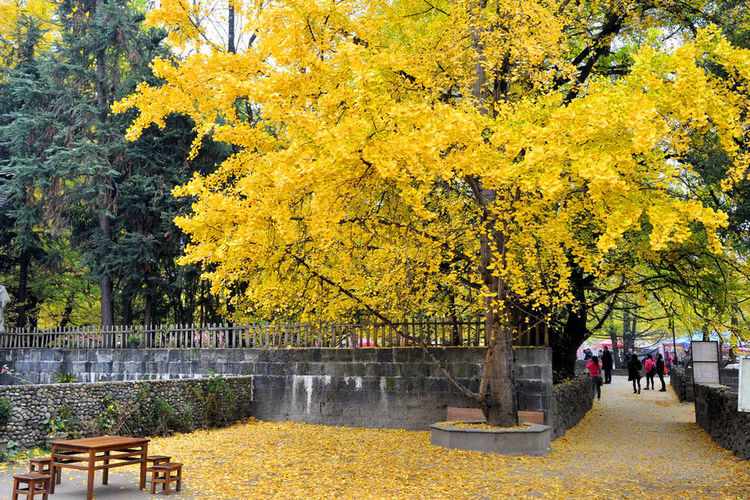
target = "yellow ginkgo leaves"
x: 375, y: 141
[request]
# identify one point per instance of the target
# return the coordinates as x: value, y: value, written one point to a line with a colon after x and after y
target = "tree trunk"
x: 102, y: 104
x: 68, y: 311
x: 501, y: 406
x: 230, y: 29
x: 565, y: 342
x: 455, y: 334
x: 22, y: 296
x: 628, y: 331
x: 615, y: 347
x: 107, y: 303
x: 148, y: 310
x: 127, y: 310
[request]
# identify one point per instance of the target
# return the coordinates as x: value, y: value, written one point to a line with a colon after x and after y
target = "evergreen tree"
x: 79, y: 199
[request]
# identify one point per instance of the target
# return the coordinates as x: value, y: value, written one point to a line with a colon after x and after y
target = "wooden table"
x: 83, y: 454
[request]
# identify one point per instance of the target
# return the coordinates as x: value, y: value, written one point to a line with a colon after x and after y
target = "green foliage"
x: 218, y: 400
x: 155, y: 417
x: 62, y: 423
x: 6, y: 410
x: 167, y: 420
x: 64, y: 378
x: 6, y: 370
x: 12, y: 451
x: 65, y: 169
x: 112, y: 419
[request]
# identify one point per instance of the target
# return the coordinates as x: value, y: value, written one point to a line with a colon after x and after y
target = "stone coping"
x: 451, y: 426
x: 533, y: 440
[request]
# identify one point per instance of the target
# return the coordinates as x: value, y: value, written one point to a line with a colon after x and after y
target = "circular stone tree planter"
x: 532, y: 440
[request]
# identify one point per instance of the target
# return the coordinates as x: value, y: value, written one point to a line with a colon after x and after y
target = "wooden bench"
x: 35, y: 484
x: 44, y: 466
x: 162, y: 474
x: 158, y: 459
x: 455, y: 414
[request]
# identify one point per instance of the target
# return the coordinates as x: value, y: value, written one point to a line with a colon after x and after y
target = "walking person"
x: 660, y: 369
x: 628, y: 356
x: 607, y: 365
x: 650, y: 368
x: 593, y: 367
x: 634, y: 372
x: 668, y: 360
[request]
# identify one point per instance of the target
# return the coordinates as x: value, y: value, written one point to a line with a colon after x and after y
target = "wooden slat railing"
x: 434, y: 332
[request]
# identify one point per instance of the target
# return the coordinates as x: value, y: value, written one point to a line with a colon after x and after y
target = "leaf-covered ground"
x: 629, y: 446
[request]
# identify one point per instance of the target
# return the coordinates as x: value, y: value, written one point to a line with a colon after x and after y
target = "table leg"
x: 90, y: 484
x: 144, y: 454
x: 52, y: 469
x: 105, y: 472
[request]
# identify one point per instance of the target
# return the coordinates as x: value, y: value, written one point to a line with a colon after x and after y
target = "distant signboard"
x: 743, y: 403
x: 705, y: 362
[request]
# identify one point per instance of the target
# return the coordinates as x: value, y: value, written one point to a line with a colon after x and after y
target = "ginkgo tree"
x: 387, y: 152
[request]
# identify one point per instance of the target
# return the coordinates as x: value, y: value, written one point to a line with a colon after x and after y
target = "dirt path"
x: 628, y: 446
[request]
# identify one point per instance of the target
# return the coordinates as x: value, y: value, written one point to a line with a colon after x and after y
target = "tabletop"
x: 95, y: 443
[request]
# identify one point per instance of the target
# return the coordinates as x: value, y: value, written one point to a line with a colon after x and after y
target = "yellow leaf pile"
x: 627, y: 447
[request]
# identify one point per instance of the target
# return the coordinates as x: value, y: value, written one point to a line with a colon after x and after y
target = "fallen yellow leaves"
x: 646, y: 446
x: 483, y: 426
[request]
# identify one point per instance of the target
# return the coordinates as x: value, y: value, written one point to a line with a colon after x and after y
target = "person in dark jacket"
x: 660, y: 372
x: 634, y: 373
x: 628, y: 355
x: 607, y: 365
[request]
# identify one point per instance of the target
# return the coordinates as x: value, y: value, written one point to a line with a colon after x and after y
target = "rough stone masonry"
x: 371, y: 387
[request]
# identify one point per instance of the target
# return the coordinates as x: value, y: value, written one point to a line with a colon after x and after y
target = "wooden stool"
x: 36, y: 484
x: 44, y: 466
x: 158, y: 459
x: 162, y: 474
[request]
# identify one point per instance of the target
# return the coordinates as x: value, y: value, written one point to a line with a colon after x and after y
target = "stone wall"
x: 40, y: 366
x: 573, y: 399
x: 534, y: 380
x: 32, y: 404
x: 681, y: 380
x: 372, y: 387
x: 581, y: 367
x: 386, y: 388
x: 730, y: 377
x: 716, y: 412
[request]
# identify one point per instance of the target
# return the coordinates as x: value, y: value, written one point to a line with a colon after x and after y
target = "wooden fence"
x: 238, y: 335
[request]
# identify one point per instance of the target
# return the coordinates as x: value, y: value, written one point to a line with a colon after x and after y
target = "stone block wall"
x: 32, y: 404
x: 716, y: 412
x: 372, y: 387
x: 39, y: 366
x: 681, y: 380
x: 573, y: 399
x: 534, y: 380
x: 384, y: 388
x: 730, y: 377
